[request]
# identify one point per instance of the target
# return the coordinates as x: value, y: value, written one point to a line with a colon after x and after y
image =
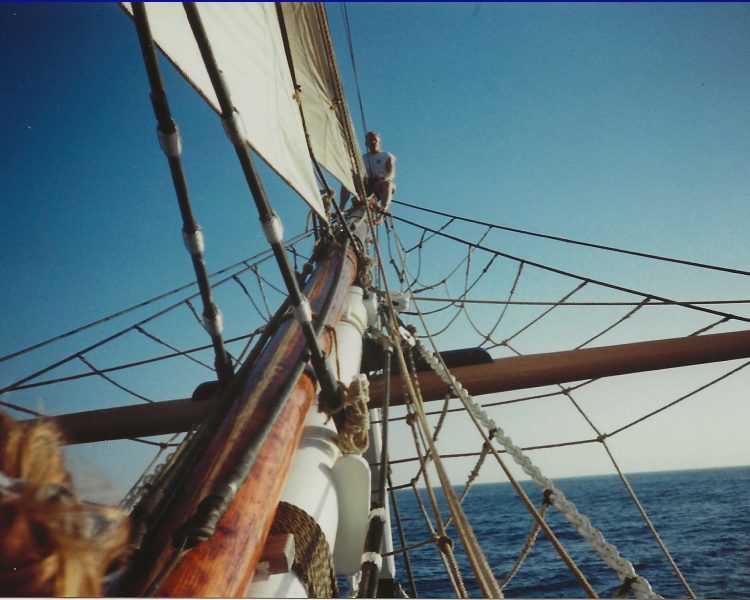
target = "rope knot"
x: 601, y: 437
x: 353, y: 434
x: 547, y: 501
x: 411, y: 419
x: 445, y: 544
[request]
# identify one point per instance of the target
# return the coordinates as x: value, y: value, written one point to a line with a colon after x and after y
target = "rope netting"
x: 532, y: 299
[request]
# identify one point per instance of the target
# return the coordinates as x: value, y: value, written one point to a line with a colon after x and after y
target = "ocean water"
x: 703, y: 517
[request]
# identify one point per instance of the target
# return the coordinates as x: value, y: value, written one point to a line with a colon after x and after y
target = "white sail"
x: 247, y: 43
x: 315, y: 73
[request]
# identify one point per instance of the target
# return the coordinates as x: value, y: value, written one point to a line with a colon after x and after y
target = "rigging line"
x: 530, y: 540
x: 399, y: 246
x: 477, y: 559
x: 460, y: 309
x: 621, y: 320
x: 454, y: 575
x: 553, y: 303
x: 137, y: 363
x: 96, y: 371
x: 144, y: 303
x: 171, y: 144
x: 536, y: 320
x: 451, y: 456
x: 406, y: 549
x: 424, y: 238
x: 158, y: 340
x: 339, y: 103
x: 249, y: 297
x: 348, y: 29
x: 131, y: 493
x: 594, y: 537
x: 623, y: 478
x: 442, y: 541
x: 488, y: 336
x: 680, y: 399
x: 27, y: 411
x: 649, y: 522
x: 106, y: 340
x: 467, y: 261
x: 263, y: 292
x: 402, y: 539
x: 599, y: 282
x: 246, y: 349
x: 579, y: 243
x: 505, y: 441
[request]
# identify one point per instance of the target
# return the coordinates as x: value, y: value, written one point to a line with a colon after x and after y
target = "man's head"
x: 372, y: 141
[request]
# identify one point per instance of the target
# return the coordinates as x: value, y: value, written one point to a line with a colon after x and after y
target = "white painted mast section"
x: 332, y: 488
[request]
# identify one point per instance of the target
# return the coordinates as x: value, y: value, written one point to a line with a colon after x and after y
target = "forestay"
x: 247, y: 43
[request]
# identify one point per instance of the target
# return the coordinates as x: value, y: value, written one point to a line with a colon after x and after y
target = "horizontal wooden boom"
x: 503, y: 374
x: 535, y: 370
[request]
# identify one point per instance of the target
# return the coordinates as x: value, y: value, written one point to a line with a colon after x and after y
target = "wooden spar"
x: 224, y: 564
x: 503, y: 374
x: 520, y: 372
x: 171, y: 416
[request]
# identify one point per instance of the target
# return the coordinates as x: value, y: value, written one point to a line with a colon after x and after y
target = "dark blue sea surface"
x: 703, y: 517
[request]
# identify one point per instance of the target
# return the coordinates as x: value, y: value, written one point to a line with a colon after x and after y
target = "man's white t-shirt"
x: 375, y: 164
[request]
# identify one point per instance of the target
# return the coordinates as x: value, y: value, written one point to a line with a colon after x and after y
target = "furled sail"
x: 247, y: 43
x: 326, y: 118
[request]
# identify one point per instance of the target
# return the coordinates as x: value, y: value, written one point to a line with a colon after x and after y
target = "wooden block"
x: 278, y: 553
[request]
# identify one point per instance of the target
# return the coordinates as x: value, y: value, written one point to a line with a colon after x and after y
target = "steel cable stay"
x: 259, y: 258
x: 138, y: 363
x: 161, y: 342
x: 579, y: 243
x: 572, y: 275
x: 152, y: 317
x: 171, y: 144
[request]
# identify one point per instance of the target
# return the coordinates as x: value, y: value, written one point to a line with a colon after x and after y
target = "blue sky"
x: 622, y: 124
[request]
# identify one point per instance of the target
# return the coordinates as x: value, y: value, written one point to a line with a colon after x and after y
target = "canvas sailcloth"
x: 326, y: 118
x: 247, y: 43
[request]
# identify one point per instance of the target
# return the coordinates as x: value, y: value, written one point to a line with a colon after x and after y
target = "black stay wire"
x: 266, y: 254
x: 170, y: 141
x: 598, y: 282
x: 577, y: 242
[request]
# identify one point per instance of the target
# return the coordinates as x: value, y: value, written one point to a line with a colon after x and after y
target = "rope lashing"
x: 593, y: 536
x: 313, y: 561
x: 353, y: 434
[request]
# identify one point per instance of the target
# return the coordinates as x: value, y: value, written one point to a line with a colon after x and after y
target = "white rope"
x: 593, y: 536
